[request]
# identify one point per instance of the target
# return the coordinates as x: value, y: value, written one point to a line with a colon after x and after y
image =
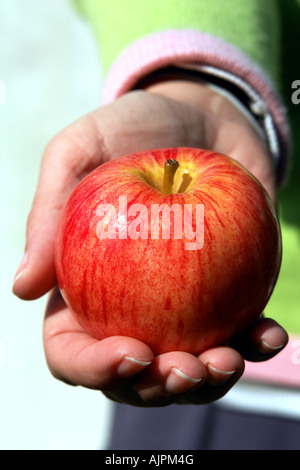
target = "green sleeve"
x: 252, y: 25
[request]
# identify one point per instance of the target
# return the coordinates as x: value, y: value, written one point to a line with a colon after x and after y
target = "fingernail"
x: 178, y: 382
x: 272, y: 340
x: 129, y: 366
x: 21, y: 268
x: 267, y: 348
x: 217, y: 376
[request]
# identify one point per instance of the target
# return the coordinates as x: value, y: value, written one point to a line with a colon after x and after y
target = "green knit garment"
x: 252, y: 25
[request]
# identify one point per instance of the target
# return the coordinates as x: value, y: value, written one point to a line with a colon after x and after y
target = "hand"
x: 125, y: 369
x: 176, y: 113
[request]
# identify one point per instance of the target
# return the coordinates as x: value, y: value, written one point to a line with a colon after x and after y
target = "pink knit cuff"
x: 175, y: 47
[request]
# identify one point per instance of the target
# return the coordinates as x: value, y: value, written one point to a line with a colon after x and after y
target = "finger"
x: 69, y: 156
x: 221, y: 363
x: 169, y: 376
x: 264, y: 341
x: 75, y: 357
x: 225, y: 366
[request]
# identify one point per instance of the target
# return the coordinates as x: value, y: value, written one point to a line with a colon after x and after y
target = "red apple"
x: 188, y: 280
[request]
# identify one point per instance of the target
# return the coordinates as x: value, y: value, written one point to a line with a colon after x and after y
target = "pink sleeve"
x: 196, y: 49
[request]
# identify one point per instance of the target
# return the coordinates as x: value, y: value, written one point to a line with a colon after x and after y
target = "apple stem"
x: 170, y: 169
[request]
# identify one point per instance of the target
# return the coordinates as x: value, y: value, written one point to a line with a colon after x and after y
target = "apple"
x: 179, y: 248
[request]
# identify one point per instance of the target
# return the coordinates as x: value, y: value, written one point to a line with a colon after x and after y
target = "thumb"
x: 66, y: 160
x: 36, y: 272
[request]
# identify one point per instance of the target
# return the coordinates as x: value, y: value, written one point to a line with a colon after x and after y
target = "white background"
x: 50, y: 69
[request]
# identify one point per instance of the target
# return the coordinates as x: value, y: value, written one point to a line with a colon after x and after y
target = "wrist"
x: 197, y: 94
x: 224, y: 123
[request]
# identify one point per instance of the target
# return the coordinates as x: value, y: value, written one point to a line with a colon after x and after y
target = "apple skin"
x: 156, y: 290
